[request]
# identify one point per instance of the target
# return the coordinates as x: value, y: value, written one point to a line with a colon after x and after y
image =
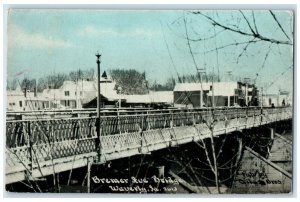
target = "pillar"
x: 272, y: 132
x: 228, y: 100
x: 88, y: 182
x: 160, y: 171
x: 201, y: 98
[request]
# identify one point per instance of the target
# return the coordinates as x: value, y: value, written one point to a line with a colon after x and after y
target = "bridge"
x: 53, y: 142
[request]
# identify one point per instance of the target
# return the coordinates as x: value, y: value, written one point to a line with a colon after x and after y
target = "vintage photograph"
x: 149, y: 101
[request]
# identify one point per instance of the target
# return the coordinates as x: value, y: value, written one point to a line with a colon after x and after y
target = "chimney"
x: 25, y: 92
x: 35, y: 92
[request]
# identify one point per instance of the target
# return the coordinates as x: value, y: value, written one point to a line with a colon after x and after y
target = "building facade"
x: 24, y: 100
x: 228, y: 94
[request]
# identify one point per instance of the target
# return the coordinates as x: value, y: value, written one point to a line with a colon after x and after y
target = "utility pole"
x: 213, y: 94
x: 229, y: 74
x: 261, y: 102
x: 200, y: 71
x: 98, y: 85
x: 246, y: 90
x: 77, y: 77
x: 120, y: 98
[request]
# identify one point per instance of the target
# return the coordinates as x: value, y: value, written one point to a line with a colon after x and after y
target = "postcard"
x: 149, y: 101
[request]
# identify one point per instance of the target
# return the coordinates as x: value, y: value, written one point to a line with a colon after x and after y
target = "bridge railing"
x: 133, y: 123
x: 84, y: 113
x: 30, y: 142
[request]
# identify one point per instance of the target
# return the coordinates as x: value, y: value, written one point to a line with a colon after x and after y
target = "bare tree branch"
x: 281, y: 74
x: 244, y: 50
x: 273, y: 15
x: 253, y: 32
x: 207, y: 38
x: 254, y: 22
x: 264, y: 62
x: 270, y: 40
x: 190, y: 49
x: 229, y: 45
x: 197, y: 39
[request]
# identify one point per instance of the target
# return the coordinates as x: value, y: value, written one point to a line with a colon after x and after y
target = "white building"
x: 153, y: 97
x: 224, y: 93
x: 18, y: 100
x: 71, y: 94
x: 283, y: 98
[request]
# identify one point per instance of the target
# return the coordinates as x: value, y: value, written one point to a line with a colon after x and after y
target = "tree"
x: 81, y: 75
x: 12, y: 84
x: 239, y: 40
x: 235, y: 38
x: 76, y: 75
x: 170, y: 84
x: 131, y: 81
x: 89, y: 74
x: 52, y: 81
x: 29, y: 84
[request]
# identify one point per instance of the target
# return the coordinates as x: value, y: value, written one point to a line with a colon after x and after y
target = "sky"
x: 41, y: 42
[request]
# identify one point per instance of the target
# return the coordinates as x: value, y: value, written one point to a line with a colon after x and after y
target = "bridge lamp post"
x: 98, y: 148
x: 98, y: 85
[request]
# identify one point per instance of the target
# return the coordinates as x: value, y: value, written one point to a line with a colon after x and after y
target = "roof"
x: 284, y: 92
x: 137, y: 98
x: 220, y: 88
x: 152, y: 97
x: 108, y: 90
x: 192, y: 86
x: 224, y: 89
x: 161, y: 96
x: 270, y: 95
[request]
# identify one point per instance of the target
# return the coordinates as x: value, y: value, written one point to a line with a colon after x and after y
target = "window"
x: 231, y: 100
x: 67, y: 93
x: 68, y: 103
x: 80, y: 93
x: 20, y: 103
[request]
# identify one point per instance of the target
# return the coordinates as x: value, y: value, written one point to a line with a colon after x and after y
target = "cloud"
x: 19, y: 38
x: 91, y: 31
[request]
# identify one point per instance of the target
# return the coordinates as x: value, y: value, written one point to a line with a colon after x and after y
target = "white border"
x: 147, y: 4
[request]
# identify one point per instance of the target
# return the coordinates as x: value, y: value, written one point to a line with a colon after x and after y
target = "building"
x: 283, y: 98
x: 154, y: 99
x: 24, y: 100
x: 224, y: 94
x: 191, y: 94
x: 71, y: 95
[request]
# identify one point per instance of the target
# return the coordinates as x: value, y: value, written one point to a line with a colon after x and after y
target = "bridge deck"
x: 41, y: 147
